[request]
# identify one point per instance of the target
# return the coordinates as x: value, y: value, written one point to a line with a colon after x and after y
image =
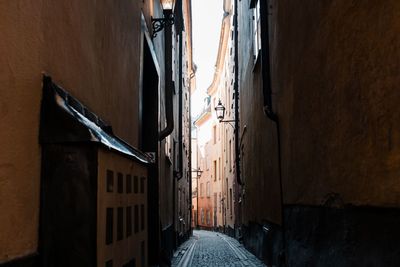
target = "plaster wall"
x: 259, y: 150
x: 90, y: 47
x: 335, y: 77
x: 129, y: 247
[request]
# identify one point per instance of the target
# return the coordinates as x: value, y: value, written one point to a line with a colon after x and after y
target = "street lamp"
x: 159, y: 24
x: 220, y: 111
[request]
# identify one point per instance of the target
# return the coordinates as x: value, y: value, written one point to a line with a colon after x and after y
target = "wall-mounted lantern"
x: 159, y: 24
x: 220, y: 111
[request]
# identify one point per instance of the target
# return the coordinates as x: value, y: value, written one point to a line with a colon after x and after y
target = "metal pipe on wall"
x: 169, y: 109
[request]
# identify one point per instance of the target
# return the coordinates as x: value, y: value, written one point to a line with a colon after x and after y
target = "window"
x: 219, y: 169
x: 179, y: 201
x: 128, y: 221
x: 142, y: 217
x: 136, y: 219
x: 226, y: 145
x: 215, y: 202
x: 168, y: 146
x: 219, y: 202
x: 226, y: 195
x: 109, y: 225
x: 215, y: 170
x: 135, y: 184
x: 208, y: 189
x: 120, y: 223
x: 256, y: 30
x: 142, y: 184
x: 201, y: 190
x: 230, y: 155
x: 215, y: 134
x: 230, y: 199
x: 128, y: 184
x: 110, y: 181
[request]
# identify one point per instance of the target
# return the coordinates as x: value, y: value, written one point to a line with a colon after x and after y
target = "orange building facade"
x: 215, y: 176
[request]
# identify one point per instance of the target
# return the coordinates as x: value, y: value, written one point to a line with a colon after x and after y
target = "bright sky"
x: 207, y: 20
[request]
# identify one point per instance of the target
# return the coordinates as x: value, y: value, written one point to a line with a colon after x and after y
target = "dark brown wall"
x: 335, y: 75
x: 334, y: 70
x: 259, y: 157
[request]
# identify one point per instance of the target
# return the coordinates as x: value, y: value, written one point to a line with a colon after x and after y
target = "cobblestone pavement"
x: 206, y: 249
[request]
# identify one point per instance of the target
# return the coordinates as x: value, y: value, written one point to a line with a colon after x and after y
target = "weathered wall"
x: 336, y: 74
x: 89, y: 47
x: 259, y: 151
x: 20, y: 94
x: 334, y: 69
x: 93, y: 49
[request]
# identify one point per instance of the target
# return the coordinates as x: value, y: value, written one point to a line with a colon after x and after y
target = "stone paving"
x: 206, y: 249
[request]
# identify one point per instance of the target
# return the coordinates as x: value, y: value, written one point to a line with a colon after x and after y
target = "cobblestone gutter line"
x: 187, y: 258
x: 247, y: 259
x: 184, y: 254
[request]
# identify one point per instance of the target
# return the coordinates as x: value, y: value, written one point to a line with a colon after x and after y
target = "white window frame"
x: 256, y: 30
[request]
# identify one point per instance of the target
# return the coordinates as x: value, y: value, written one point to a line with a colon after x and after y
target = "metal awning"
x: 65, y: 120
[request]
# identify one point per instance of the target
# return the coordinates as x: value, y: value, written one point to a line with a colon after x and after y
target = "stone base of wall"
x: 322, y: 236
x: 183, y: 237
x: 167, y: 245
x: 264, y: 241
x: 28, y: 261
x: 350, y: 236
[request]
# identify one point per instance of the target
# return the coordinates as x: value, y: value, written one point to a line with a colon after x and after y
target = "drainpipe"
x: 267, y: 92
x: 180, y: 113
x: 239, y: 183
x: 236, y: 90
x: 169, y: 110
x: 192, y: 75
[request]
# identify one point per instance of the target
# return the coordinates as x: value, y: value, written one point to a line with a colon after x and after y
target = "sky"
x: 207, y: 20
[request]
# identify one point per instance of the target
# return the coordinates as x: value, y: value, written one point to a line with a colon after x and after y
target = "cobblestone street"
x: 207, y: 248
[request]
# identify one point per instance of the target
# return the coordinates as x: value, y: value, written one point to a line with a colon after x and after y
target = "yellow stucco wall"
x: 129, y: 247
x: 91, y: 48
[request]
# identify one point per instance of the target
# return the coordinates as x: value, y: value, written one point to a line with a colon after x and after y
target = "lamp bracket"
x: 230, y: 123
x: 159, y: 24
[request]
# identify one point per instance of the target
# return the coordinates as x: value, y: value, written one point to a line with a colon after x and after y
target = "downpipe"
x: 169, y: 110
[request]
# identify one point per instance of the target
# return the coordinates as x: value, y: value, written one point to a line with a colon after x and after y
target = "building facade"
x: 125, y: 95
x: 204, y: 206
x: 319, y: 153
x: 215, y: 140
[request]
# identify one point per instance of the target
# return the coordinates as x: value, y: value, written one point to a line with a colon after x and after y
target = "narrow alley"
x: 208, y: 249
x: 199, y: 133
